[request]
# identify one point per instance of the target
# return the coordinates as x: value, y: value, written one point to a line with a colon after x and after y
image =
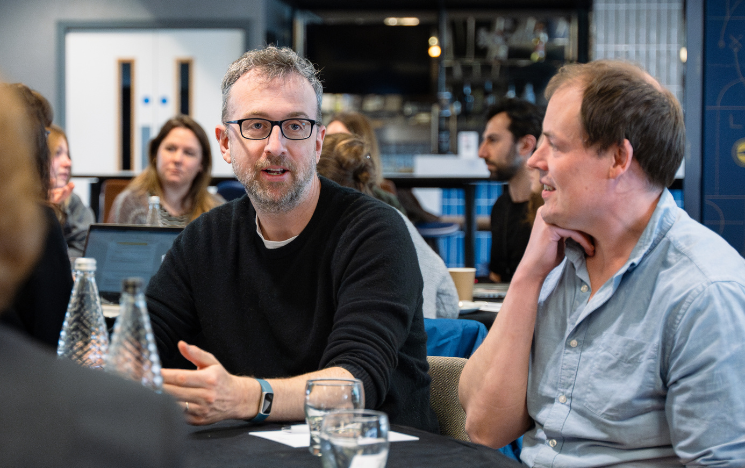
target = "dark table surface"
x: 227, y: 444
x: 485, y: 317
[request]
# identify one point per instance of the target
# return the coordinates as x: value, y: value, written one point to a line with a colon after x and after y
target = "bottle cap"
x: 132, y: 285
x: 85, y: 264
x: 154, y: 199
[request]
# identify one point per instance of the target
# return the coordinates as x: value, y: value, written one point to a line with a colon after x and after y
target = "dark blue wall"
x: 723, y: 189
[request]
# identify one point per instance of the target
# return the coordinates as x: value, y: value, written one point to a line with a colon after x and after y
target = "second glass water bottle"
x: 133, y: 353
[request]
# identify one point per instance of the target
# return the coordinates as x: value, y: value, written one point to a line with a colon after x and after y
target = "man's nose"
x: 482, y: 150
x: 275, y: 142
x: 537, y: 159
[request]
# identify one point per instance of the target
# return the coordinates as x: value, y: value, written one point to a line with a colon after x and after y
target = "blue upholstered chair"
x: 230, y: 189
x: 453, y: 337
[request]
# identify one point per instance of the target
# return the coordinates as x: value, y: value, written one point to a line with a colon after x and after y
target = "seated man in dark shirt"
x: 300, y: 279
x: 512, y: 130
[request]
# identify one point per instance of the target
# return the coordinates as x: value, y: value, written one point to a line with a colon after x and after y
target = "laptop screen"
x: 123, y: 251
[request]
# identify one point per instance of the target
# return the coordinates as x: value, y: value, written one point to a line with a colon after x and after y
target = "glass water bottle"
x: 153, y: 211
x: 84, y: 337
x: 133, y: 353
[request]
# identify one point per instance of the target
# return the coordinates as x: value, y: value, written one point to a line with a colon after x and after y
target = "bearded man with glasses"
x: 300, y: 279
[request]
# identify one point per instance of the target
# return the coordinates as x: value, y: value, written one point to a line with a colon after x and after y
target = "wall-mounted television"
x: 372, y: 59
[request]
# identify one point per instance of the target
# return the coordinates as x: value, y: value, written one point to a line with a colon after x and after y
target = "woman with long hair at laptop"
x: 178, y: 172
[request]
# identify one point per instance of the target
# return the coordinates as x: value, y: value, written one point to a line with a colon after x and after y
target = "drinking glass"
x: 354, y: 438
x: 325, y: 395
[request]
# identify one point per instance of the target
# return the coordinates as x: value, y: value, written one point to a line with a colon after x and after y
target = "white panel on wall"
x: 650, y: 33
x: 92, y: 94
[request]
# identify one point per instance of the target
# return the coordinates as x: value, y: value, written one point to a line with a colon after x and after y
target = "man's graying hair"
x: 272, y: 62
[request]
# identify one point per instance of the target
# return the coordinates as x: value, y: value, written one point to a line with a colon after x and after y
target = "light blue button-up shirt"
x: 651, y: 370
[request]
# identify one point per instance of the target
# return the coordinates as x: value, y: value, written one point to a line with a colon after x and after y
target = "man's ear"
x: 221, y: 133
x: 526, y: 145
x: 622, y: 155
x: 319, y: 141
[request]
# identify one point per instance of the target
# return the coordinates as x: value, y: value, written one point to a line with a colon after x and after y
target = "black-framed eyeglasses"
x: 260, y: 129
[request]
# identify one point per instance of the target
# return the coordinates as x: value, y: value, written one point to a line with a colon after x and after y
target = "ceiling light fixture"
x: 434, y: 50
x: 406, y: 21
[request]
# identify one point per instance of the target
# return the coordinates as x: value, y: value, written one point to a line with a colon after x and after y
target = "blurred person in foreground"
x: 55, y: 413
x: 346, y: 160
x: 40, y: 304
x: 622, y: 338
x: 73, y: 215
x: 512, y: 131
x: 300, y: 279
x: 179, y: 173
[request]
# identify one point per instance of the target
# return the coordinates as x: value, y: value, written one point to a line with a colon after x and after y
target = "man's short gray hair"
x: 272, y: 62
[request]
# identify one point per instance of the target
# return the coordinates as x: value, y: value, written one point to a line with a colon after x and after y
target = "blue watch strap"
x: 265, y: 402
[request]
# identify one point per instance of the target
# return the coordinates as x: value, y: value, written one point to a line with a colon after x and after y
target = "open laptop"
x: 125, y: 250
x: 490, y: 291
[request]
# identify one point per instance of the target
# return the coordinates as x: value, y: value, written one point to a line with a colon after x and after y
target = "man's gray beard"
x: 262, y: 199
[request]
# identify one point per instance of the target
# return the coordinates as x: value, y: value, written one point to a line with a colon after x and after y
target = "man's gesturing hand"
x: 210, y: 394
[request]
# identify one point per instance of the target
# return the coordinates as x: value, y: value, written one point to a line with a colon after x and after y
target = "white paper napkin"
x: 299, y: 436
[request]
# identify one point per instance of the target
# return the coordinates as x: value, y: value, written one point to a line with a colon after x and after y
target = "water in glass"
x: 354, y: 439
x: 324, y: 395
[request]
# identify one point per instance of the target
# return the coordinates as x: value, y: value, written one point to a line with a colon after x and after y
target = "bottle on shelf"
x: 133, y: 353
x: 153, y: 211
x: 84, y: 338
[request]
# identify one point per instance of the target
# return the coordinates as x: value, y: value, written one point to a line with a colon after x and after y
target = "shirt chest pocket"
x: 619, y: 378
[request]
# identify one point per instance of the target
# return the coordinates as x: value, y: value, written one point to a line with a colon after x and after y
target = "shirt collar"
x: 659, y: 224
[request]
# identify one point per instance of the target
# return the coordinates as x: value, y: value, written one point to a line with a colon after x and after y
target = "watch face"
x: 266, y: 406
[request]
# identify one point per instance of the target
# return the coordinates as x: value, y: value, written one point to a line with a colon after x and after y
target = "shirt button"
x: 573, y: 343
x: 552, y: 442
x: 562, y: 399
x: 584, y: 288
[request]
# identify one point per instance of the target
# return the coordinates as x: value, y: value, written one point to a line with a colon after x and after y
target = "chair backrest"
x: 109, y: 190
x: 230, y: 189
x: 445, y: 374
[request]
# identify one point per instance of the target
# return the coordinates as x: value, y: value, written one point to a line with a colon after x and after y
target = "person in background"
x: 54, y: 412
x: 357, y: 124
x: 179, y: 173
x: 345, y: 159
x: 621, y: 341
x: 75, y: 217
x: 512, y: 130
x: 40, y: 304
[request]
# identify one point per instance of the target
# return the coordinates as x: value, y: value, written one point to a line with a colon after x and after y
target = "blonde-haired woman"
x: 73, y: 215
x: 178, y: 173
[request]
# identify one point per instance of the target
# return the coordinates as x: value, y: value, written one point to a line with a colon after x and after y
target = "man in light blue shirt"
x: 622, y: 338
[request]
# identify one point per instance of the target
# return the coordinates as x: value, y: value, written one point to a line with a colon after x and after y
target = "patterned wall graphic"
x: 724, y: 121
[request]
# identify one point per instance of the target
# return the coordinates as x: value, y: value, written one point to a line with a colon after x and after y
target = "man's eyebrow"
x: 264, y: 115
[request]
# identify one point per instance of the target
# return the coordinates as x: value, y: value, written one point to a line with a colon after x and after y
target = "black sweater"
x: 510, y: 232
x: 40, y: 305
x: 347, y: 292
